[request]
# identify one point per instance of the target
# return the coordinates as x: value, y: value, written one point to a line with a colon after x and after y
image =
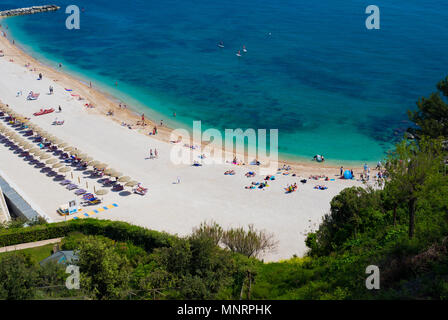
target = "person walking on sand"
x: 51, y: 89
x: 156, y: 155
x: 178, y: 179
x: 341, y: 171
x: 150, y: 154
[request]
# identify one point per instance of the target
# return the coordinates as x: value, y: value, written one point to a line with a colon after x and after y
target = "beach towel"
x: 68, y: 89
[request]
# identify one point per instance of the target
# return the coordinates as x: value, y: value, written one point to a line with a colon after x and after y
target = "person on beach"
x: 150, y: 154
x: 59, y: 108
x: 378, y: 165
x: 156, y: 155
x: 143, y: 119
x: 178, y: 180
x: 50, y: 89
x: 341, y: 171
x: 90, y: 84
x: 40, y: 76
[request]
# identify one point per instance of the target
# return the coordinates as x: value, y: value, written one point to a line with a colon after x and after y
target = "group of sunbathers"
x: 260, y: 185
x: 291, y: 188
x: 318, y: 177
x: 250, y: 174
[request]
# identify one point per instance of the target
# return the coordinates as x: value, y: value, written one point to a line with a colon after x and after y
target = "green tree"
x: 353, y: 211
x: 17, y: 277
x: 251, y: 243
x: 104, y: 272
x: 431, y: 118
x: 409, y: 168
x: 210, y: 230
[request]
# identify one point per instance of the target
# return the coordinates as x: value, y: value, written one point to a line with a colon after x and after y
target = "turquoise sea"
x: 311, y: 70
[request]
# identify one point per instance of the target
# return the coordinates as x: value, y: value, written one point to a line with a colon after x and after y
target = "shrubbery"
x: 116, y: 230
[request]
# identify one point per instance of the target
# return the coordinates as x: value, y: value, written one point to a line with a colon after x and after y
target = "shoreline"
x: 105, y: 101
x: 180, y: 196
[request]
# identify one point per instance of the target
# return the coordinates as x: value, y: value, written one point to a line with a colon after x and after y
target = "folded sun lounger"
x: 72, y: 186
x: 80, y: 192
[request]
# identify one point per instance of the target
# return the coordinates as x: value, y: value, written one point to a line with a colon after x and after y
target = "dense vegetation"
x: 401, y: 228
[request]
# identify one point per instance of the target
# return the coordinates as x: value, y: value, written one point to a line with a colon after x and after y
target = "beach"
x: 203, y: 194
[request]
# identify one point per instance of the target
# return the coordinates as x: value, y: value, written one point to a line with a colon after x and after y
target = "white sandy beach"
x: 204, y: 193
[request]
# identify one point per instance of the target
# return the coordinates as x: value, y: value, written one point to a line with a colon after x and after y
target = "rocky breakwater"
x: 30, y: 10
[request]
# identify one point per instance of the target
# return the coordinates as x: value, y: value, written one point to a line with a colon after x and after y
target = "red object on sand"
x: 42, y: 112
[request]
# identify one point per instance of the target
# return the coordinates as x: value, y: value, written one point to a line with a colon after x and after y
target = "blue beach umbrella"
x: 347, y: 174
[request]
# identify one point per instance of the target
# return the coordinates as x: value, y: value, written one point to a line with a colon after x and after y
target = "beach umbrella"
x: 9, y: 133
x: 101, y: 192
x: 65, y: 169
x: 51, y: 138
x: 75, y: 152
x: 57, y: 165
x: 86, y: 158
x: 62, y: 145
x: 69, y: 149
x: 131, y: 184
x: 45, y: 156
x: 51, y: 161
x: 39, y: 153
x: 116, y: 174
x: 109, y: 171
x: 101, y: 166
x: 94, y: 163
x: 80, y: 155
x: 28, y: 146
x: 124, y: 179
x: 34, y: 150
x: 43, y: 133
x: 56, y: 140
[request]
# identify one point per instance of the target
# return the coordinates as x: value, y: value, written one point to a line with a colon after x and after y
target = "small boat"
x: 42, y: 112
x: 238, y: 54
x: 221, y: 44
x: 244, y: 49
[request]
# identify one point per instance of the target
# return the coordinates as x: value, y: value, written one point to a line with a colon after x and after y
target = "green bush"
x: 119, y: 231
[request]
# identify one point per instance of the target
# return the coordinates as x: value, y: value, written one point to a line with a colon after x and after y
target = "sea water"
x: 312, y: 70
